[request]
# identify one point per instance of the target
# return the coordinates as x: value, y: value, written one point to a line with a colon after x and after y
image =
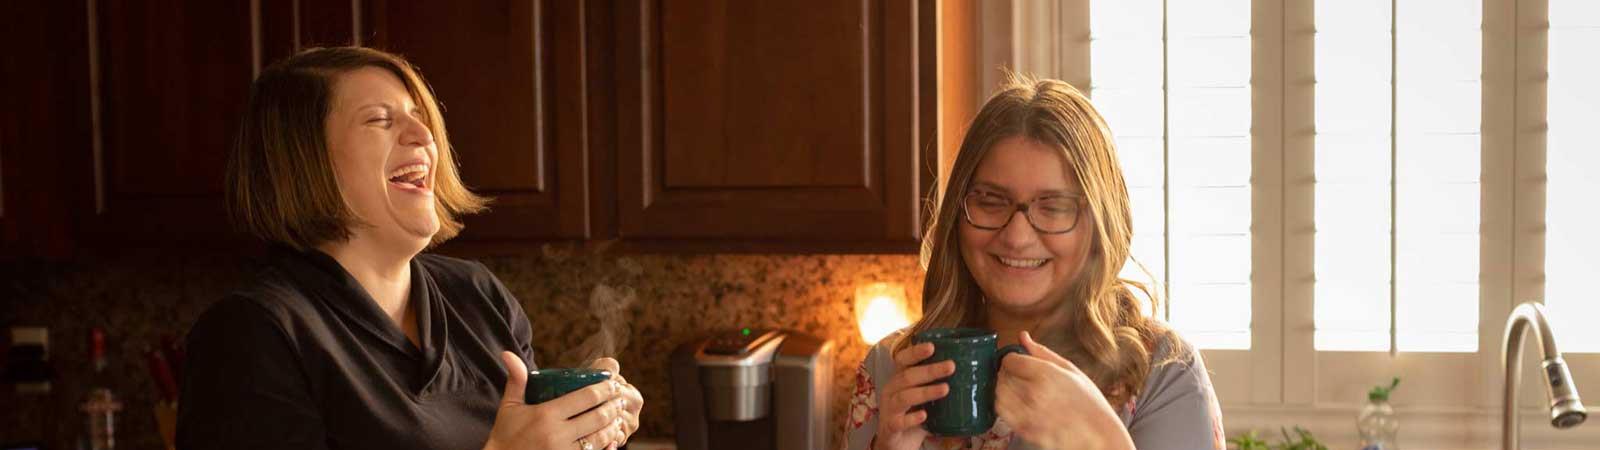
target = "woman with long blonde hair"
x: 1030, y: 235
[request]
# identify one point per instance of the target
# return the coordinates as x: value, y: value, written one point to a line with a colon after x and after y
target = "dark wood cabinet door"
x: 702, y: 125
x: 288, y: 27
x: 785, y: 121
x: 170, y: 80
x: 512, y: 78
x: 46, y: 118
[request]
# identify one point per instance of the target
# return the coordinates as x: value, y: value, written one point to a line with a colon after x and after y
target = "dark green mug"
x: 969, y: 408
x: 547, y: 384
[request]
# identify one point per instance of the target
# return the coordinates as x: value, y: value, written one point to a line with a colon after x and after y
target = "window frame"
x: 1453, y: 398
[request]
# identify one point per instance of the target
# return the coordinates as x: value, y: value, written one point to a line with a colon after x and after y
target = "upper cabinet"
x: 45, y: 123
x: 512, y: 79
x: 788, y: 122
x: 169, y: 81
x: 705, y: 125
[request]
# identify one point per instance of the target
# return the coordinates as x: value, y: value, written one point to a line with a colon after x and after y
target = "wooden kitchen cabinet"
x: 667, y: 125
x: 169, y: 81
x: 681, y: 125
x: 124, y: 118
x: 513, y: 79
x: 46, y: 115
x: 169, y: 103
x: 792, y: 124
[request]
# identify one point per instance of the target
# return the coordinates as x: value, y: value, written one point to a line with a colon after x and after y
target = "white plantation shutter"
x: 1397, y: 156
x: 1126, y: 73
x: 1173, y: 80
x: 1352, y: 174
x: 1572, y: 242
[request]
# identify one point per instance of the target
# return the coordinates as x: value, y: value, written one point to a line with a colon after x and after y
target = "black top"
x: 304, y: 359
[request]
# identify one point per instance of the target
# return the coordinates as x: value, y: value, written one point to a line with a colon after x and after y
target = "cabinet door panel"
x: 511, y: 77
x: 765, y: 94
x: 46, y: 120
x: 290, y: 26
x: 167, y: 105
x: 774, y: 121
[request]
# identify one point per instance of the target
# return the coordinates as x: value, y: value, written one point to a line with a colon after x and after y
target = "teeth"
x: 1023, y: 263
x: 409, y: 173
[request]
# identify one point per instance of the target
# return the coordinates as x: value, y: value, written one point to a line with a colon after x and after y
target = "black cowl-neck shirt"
x: 303, y: 358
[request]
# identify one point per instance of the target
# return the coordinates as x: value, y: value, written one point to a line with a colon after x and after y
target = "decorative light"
x: 881, y: 308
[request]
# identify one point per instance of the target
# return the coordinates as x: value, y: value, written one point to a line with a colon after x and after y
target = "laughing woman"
x: 1030, y: 235
x: 351, y: 337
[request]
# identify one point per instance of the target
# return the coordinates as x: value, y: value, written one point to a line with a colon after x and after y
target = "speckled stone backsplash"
x: 580, y: 301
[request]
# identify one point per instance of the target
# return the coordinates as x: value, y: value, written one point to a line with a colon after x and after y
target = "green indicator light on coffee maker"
x: 745, y: 331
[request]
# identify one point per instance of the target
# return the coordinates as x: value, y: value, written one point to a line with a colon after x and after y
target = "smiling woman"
x: 384, y: 145
x: 350, y: 336
x: 1028, y: 240
x: 349, y: 100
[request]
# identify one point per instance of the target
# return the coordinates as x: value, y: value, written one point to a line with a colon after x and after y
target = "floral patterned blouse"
x: 1177, y: 410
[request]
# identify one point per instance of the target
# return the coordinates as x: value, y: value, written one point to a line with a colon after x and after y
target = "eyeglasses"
x: 1054, y: 214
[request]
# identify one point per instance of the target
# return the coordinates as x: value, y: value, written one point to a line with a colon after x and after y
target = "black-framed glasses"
x: 1051, y: 214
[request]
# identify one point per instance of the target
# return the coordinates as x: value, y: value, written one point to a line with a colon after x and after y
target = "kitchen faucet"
x: 1566, y: 409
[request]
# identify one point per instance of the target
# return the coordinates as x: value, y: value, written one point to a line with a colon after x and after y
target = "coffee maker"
x: 752, y: 389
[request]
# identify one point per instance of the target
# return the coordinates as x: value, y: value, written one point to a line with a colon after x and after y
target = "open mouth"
x: 413, y: 176
x: 1020, y: 263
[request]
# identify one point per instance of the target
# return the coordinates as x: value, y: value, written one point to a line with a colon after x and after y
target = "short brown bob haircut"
x: 280, y: 180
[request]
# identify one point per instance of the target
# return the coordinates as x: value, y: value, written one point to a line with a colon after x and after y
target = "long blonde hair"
x: 1100, y: 326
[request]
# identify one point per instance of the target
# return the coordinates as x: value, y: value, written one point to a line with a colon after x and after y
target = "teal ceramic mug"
x: 969, y: 408
x: 547, y: 384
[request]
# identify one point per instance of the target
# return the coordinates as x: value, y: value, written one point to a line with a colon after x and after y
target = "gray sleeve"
x: 1178, y: 409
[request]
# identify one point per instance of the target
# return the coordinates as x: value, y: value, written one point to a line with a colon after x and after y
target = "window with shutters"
x: 1331, y: 193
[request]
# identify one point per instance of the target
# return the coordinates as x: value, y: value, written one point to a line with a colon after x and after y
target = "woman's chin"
x: 416, y: 221
x: 1018, y: 302
x: 423, y: 233
x: 420, y: 232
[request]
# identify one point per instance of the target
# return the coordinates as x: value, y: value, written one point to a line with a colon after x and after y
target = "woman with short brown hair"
x: 350, y: 336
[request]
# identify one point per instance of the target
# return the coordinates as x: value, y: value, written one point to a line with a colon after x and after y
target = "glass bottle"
x: 1377, y: 422
x: 100, y: 405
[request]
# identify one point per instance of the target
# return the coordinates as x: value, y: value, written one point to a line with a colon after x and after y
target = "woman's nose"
x: 1019, y: 231
x: 417, y: 133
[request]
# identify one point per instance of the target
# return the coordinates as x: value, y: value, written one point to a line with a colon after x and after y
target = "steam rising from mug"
x: 609, y: 306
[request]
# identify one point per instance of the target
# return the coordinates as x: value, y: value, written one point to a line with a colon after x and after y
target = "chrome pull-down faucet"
x: 1566, y: 409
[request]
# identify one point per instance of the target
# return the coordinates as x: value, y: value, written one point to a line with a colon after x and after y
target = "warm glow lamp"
x: 881, y: 308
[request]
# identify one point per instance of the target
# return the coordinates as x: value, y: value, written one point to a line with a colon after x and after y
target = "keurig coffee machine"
x: 752, y: 389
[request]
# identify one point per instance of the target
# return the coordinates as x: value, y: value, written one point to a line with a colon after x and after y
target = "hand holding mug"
x: 632, y: 401
x: 562, y: 422
x: 1048, y: 401
x: 913, y: 384
x: 968, y: 408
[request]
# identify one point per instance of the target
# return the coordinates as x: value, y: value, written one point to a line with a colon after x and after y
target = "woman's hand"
x: 900, y: 428
x: 1047, y: 401
x: 632, y: 401
x: 585, y: 419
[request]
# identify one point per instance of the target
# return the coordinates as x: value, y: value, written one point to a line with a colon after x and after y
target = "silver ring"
x: 586, y: 445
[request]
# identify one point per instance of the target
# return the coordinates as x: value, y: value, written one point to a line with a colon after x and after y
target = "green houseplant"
x: 1302, y: 440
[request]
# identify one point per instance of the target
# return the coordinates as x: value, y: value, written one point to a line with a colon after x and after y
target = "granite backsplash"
x: 579, y: 299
